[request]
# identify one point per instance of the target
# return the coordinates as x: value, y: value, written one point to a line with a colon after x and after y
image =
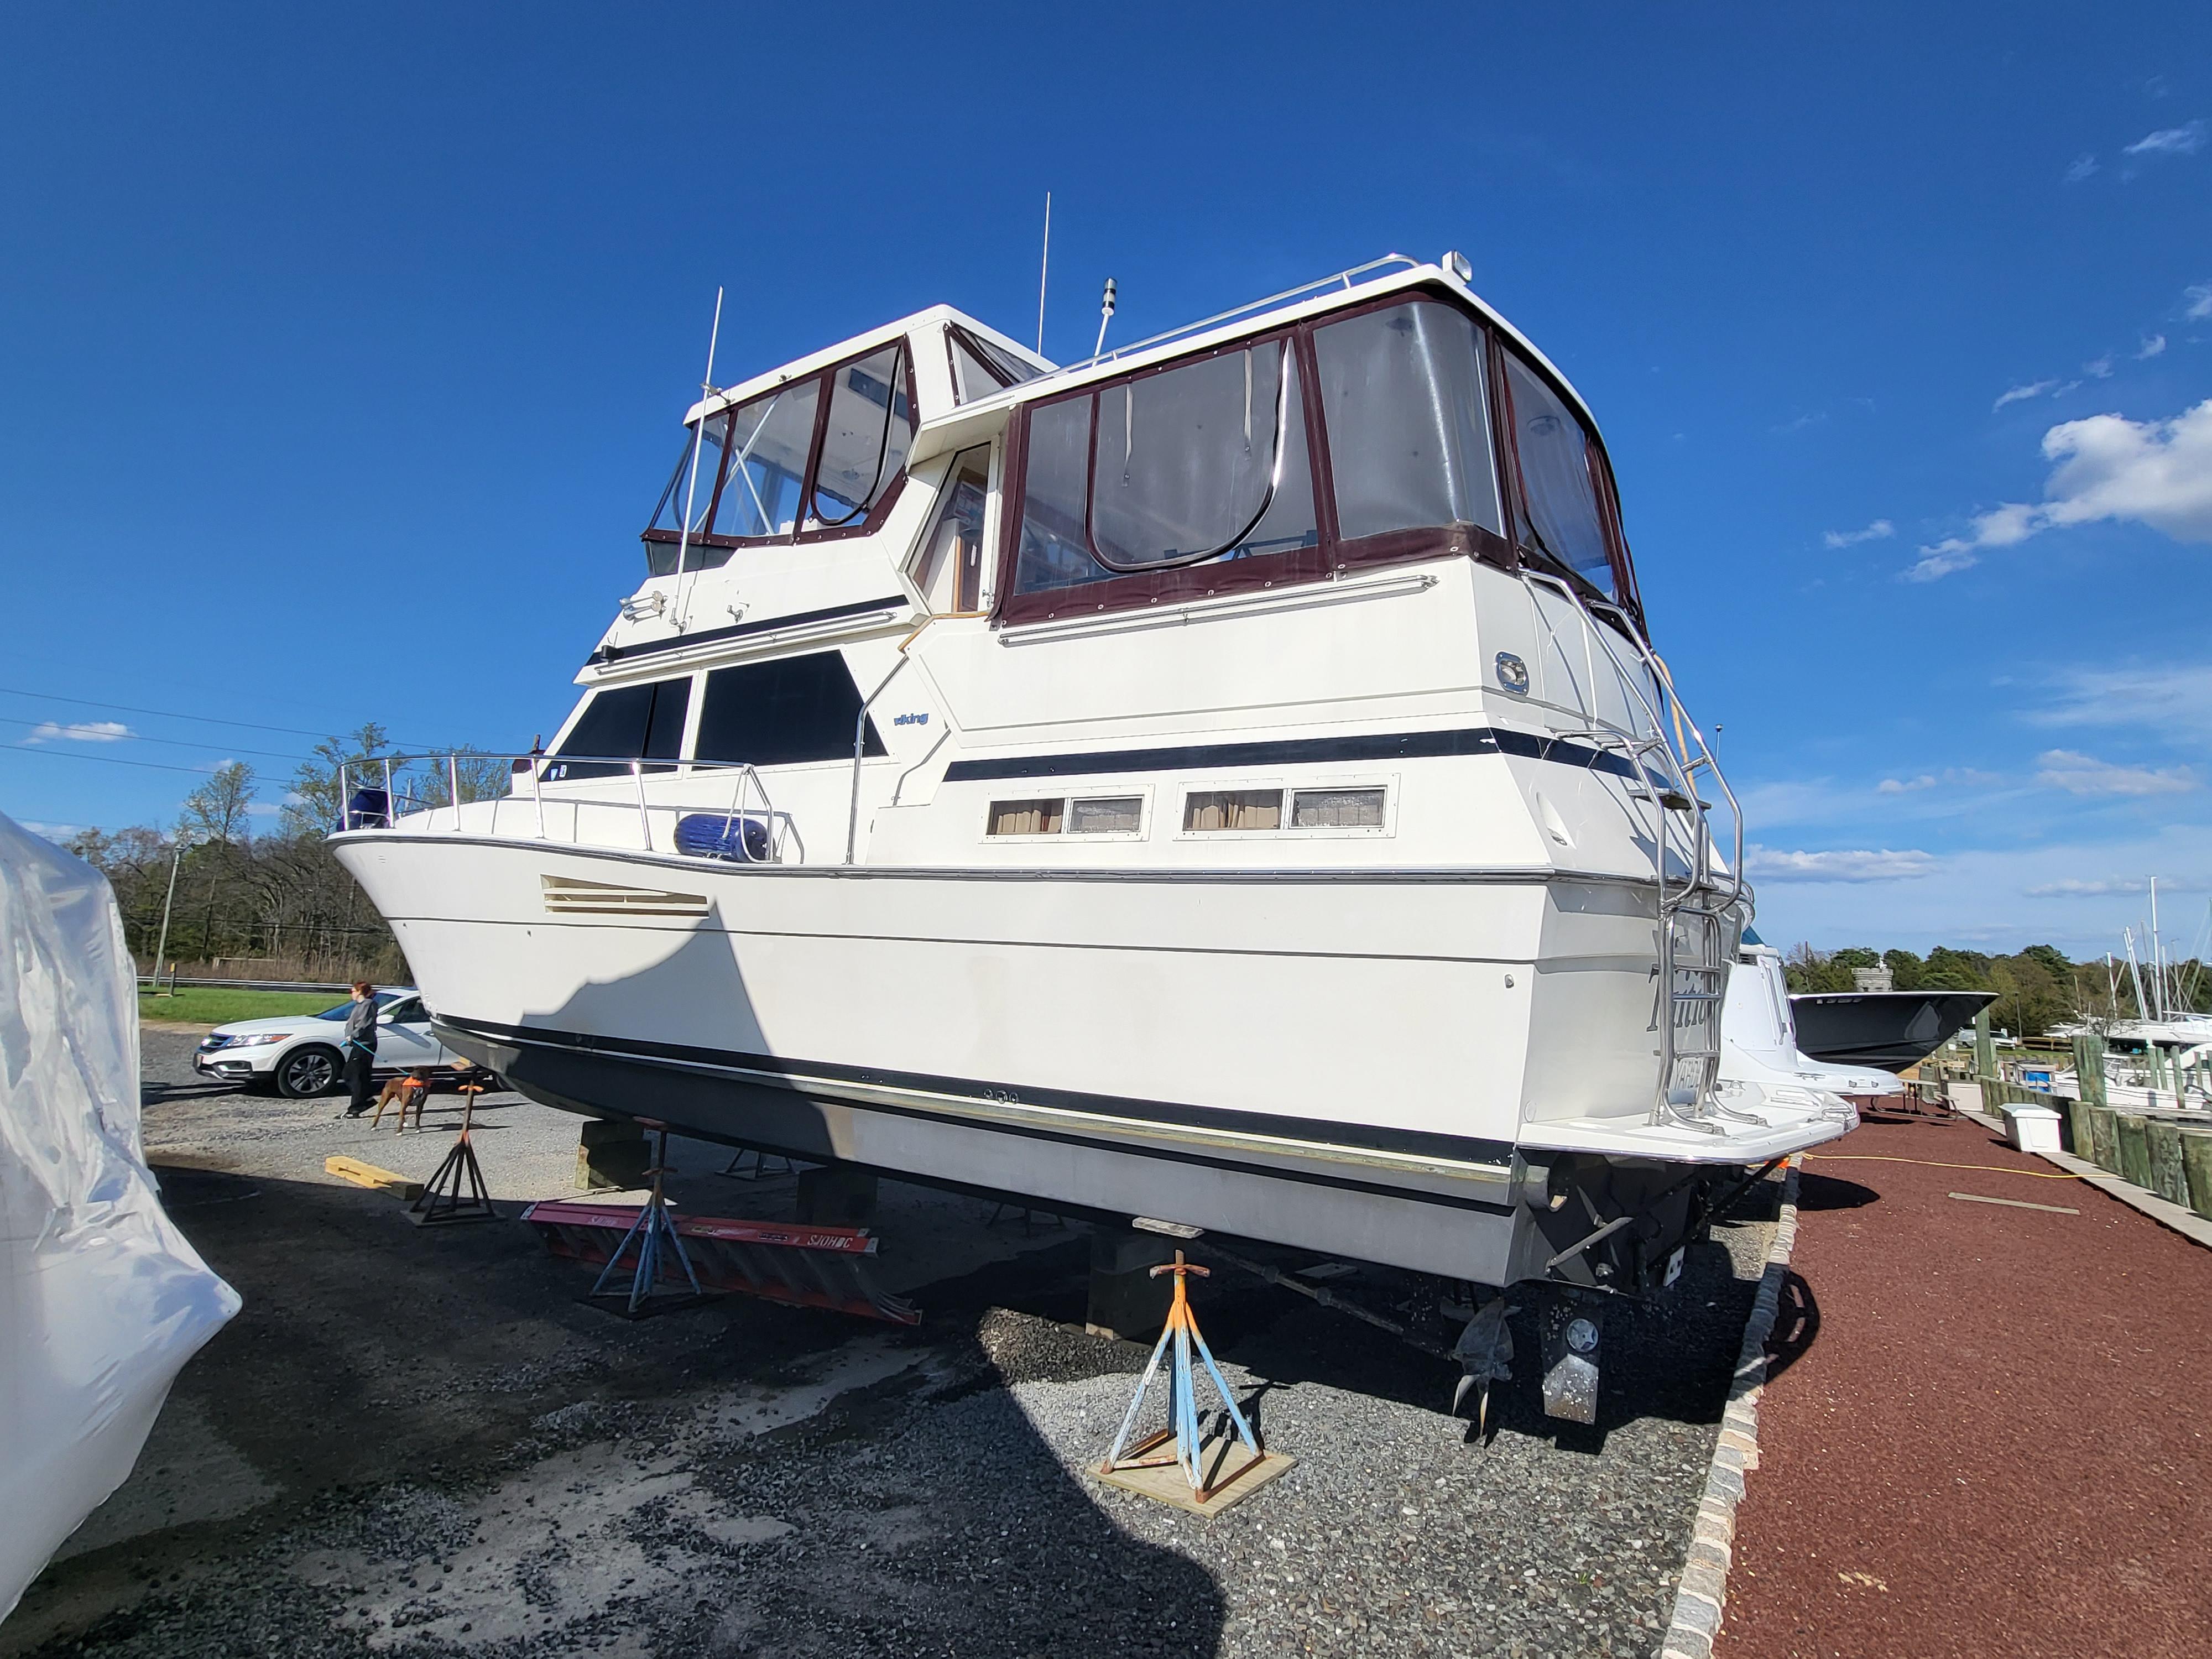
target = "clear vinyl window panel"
x: 1206, y: 461
x: 1558, y: 479
x: 866, y: 439
x: 1404, y: 395
x: 980, y: 367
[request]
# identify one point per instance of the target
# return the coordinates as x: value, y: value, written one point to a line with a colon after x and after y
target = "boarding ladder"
x: 1701, y: 907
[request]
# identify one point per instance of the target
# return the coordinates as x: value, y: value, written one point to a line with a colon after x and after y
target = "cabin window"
x: 950, y: 572
x: 1336, y: 809
x: 1558, y: 479
x: 1027, y: 817
x: 1108, y: 815
x: 1404, y: 394
x: 980, y: 367
x: 1199, y: 465
x: 866, y: 439
x: 1101, y: 815
x: 1232, y: 809
x: 781, y: 712
x: 625, y: 721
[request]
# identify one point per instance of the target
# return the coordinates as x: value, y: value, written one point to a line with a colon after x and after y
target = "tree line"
x: 2037, y: 988
x: 278, y: 898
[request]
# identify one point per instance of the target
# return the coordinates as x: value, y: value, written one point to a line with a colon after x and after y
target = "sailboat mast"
x: 2157, y: 969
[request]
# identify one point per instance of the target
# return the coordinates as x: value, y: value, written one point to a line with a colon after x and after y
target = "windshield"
x: 384, y: 999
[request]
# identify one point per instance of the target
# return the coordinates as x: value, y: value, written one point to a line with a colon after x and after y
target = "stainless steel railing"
x: 1701, y: 917
x: 378, y: 793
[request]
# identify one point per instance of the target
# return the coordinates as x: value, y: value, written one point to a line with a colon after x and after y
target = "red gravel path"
x: 1999, y: 1441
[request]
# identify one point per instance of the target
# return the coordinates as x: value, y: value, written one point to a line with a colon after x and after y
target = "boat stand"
x: 655, y: 1237
x: 735, y: 1169
x: 1240, y: 1460
x: 457, y: 1192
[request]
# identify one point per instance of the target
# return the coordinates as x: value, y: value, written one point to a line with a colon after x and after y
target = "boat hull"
x: 1345, y: 1062
x: 1891, y: 1030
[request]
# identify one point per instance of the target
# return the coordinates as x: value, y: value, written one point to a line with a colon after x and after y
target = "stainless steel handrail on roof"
x: 1203, y: 323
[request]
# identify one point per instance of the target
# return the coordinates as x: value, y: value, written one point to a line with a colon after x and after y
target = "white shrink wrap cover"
x: 101, y: 1298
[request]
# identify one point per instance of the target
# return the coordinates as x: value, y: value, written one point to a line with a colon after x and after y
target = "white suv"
x: 303, y: 1054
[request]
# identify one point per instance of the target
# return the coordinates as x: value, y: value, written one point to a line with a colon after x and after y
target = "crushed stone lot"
x: 423, y: 1443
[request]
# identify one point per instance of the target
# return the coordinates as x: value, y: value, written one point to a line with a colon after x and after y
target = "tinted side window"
x: 626, y: 721
x: 646, y: 720
x: 779, y: 712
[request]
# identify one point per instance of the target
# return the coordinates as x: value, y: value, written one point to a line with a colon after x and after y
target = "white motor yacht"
x: 1228, y: 782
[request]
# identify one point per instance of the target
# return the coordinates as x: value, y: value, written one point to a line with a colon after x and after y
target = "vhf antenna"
x: 698, y: 438
x: 1044, y: 267
x: 1105, y: 316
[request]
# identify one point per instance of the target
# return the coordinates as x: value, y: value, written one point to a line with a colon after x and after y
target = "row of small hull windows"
x: 1204, y: 811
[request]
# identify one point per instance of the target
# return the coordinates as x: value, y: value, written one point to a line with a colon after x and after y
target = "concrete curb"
x: 1703, y: 1587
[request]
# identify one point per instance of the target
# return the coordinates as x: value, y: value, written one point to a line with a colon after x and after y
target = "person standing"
x: 360, y: 1046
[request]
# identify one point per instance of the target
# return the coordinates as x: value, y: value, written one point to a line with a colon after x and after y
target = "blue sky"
x: 342, y: 350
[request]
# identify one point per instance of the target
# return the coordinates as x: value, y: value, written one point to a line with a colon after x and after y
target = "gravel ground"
x: 421, y: 1443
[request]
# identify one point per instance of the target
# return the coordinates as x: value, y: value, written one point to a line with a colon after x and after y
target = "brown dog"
x: 408, y: 1091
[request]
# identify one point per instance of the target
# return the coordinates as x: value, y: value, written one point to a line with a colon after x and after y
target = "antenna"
x: 698, y: 437
x: 1105, y: 316
x: 1044, y: 267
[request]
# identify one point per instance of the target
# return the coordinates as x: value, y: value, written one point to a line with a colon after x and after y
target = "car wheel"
x: 312, y: 1070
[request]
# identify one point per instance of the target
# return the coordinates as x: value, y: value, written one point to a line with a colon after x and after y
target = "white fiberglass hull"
x: 1362, y: 1062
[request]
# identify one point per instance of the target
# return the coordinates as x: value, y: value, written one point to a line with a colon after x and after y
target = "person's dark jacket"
x: 360, y: 1026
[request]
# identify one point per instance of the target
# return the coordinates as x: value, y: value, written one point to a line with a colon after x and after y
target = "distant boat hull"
x: 1891, y: 1030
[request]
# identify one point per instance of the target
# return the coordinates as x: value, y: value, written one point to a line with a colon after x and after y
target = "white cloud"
x: 2197, y: 301
x: 2151, y: 347
x: 1967, y: 775
x: 79, y: 731
x: 1879, y: 530
x: 2185, y: 140
x: 2073, y: 887
x: 2085, y: 774
x: 262, y: 809
x: 2100, y: 368
x: 2020, y: 394
x: 1773, y: 864
x: 2153, y: 473
x: 2174, y: 699
x: 2082, y: 168
x: 55, y: 833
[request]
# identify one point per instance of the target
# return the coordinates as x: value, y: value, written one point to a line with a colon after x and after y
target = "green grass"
x: 197, y: 1004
